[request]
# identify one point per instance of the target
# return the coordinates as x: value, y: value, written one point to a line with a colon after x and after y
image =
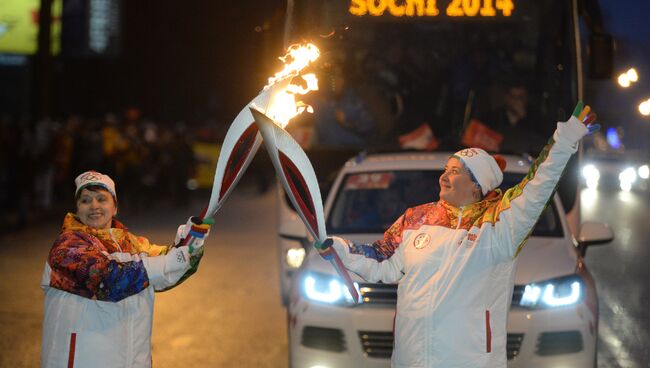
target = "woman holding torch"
x: 454, y: 260
x: 99, y: 282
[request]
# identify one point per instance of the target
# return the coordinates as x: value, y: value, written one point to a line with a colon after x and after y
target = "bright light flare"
x: 285, y: 107
x: 644, y: 107
x: 295, y: 257
x: 591, y: 175
x: 624, y: 80
x: 626, y: 178
x: 644, y: 172
x: 632, y: 75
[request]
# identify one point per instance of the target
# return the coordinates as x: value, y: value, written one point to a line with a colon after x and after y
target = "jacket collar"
x: 72, y: 223
x: 473, y: 210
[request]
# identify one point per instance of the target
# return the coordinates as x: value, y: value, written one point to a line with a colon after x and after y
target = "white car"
x: 553, y: 320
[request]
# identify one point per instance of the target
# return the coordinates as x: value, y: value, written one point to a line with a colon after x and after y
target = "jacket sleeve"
x: 521, y: 206
x: 157, y: 259
x: 380, y: 261
x: 80, y: 267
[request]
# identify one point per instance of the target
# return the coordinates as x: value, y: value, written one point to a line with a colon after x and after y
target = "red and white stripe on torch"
x: 297, y: 176
x: 239, y: 148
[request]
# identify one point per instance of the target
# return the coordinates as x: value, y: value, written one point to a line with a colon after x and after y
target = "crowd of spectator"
x: 151, y: 161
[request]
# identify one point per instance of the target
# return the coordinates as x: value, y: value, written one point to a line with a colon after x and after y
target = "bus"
x: 394, y: 67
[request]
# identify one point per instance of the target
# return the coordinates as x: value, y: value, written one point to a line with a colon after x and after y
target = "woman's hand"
x: 587, y: 117
x: 195, y: 231
x: 581, y: 123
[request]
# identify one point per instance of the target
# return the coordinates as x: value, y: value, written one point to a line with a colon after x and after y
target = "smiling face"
x: 96, y: 208
x: 456, y: 185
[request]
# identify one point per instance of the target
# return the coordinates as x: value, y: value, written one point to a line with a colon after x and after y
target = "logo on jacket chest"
x: 421, y: 241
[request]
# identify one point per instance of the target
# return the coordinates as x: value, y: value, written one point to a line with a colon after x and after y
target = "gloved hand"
x: 580, y: 124
x: 325, y: 249
x: 165, y: 270
x: 196, y: 230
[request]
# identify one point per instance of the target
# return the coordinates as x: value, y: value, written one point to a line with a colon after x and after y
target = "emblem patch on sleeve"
x: 421, y: 241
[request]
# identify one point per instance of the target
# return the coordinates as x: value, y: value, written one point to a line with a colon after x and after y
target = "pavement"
x: 229, y: 314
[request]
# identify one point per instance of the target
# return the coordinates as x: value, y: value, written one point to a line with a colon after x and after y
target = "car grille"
x: 513, y: 344
x: 555, y: 343
x: 386, y: 294
x: 517, y: 293
x: 378, y: 344
x: 329, y: 339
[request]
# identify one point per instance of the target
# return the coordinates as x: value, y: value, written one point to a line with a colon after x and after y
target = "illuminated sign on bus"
x: 432, y: 8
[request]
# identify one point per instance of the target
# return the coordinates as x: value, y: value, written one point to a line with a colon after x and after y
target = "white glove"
x: 165, y: 271
x: 581, y: 123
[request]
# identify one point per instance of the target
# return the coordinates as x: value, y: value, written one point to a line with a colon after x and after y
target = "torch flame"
x: 285, y: 106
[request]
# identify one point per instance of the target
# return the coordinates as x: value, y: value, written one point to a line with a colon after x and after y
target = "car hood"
x: 542, y: 258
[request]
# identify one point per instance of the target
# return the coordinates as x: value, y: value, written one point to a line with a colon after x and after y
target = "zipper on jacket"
x: 110, y: 232
x: 488, y: 333
x: 460, y: 217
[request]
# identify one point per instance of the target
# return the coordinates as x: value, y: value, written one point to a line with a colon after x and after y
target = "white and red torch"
x: 242, y: 139
x: 297, y: 176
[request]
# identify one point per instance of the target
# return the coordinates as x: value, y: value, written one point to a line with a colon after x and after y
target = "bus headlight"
x: 560, y: 292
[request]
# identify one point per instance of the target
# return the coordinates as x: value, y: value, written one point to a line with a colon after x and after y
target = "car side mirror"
x: 593, y: 233
x: 601, y: 56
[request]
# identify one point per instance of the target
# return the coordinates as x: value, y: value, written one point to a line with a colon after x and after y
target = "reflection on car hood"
x: 542, y: 258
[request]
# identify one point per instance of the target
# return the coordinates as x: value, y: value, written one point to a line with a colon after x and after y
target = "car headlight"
x: 644, y: 172
x: 560, y: 292
x: 327, y: 289
x: 626, y: 178
x: 591, y: 175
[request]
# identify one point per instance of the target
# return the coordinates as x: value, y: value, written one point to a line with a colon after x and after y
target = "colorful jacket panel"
x: 455, y: 269
x: 82, y: 264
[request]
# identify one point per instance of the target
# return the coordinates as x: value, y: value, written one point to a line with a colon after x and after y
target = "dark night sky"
x: 628, y: 22
x: 191, y: 59
x: 181, y: 59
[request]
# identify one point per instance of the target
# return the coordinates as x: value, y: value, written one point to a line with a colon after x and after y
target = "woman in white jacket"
x: 99, y: 282
x: 455, y: 259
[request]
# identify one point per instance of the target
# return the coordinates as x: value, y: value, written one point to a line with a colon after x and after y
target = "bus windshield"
x: 384, y: 76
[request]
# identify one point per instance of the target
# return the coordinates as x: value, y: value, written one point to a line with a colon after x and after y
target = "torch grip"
x: 330, y: 254
x: 197, y: 220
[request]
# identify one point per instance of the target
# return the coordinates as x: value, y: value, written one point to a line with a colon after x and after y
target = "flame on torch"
x: 285, y: 107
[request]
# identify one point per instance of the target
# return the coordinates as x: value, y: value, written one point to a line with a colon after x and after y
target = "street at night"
x: 230, y: 315
x: 460, y: 130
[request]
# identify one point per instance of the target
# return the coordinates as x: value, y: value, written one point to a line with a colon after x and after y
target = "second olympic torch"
x: 297, y: 176
x: 242, y: 139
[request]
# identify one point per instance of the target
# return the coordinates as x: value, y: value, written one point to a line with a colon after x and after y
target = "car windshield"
x: 370, y: 202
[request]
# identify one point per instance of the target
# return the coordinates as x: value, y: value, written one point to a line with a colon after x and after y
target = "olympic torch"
x: 242, y: 139
x: 297, y: 176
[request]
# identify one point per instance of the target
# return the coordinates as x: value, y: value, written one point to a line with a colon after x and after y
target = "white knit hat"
x: 487, y: 170
x: 94, y: 178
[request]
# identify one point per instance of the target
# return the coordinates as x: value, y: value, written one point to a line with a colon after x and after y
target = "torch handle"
x: 197, y: 220
x: 334, y: 259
